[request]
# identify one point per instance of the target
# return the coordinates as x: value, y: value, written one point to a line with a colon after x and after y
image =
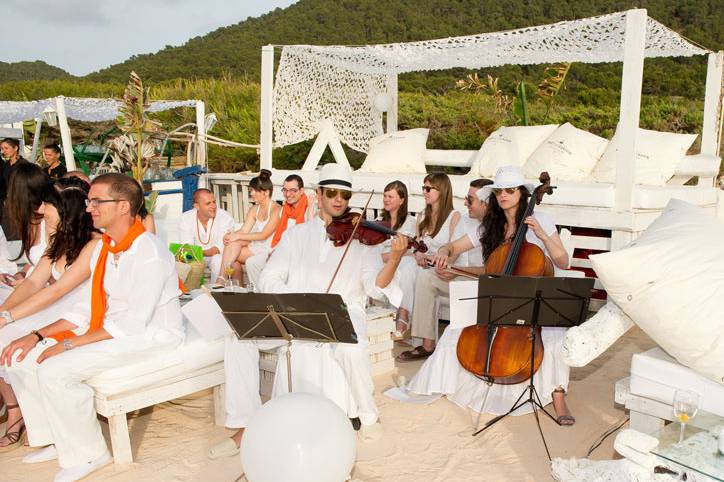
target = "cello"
x: 502, y: 354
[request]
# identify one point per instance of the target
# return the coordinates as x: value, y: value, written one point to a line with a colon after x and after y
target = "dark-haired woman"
x: 10, y: 150
x: 58, y: 282
x: 255, y: 235
x: 442, y: 373
x: 395, y: 214
x: 55, y: 169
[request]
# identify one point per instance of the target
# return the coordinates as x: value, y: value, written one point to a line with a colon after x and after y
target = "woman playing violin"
x: 507, y: 199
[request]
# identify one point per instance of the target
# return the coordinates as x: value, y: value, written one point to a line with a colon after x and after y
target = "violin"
x: 370, y: 233
x: 502, y: 354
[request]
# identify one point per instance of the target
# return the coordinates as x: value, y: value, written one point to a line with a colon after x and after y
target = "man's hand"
x: 211, y: 251
x: 399, y: 247
x: 24, y: 344
x: 56, y: 349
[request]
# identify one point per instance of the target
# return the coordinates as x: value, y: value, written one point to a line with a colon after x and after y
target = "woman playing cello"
x: 507, y: 200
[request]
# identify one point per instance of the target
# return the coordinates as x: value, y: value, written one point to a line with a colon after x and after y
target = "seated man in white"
x: 298, y: 208
x: 132, y: 312
x: 305, y: 261
x: 205, y: 225
x: 433, y: 283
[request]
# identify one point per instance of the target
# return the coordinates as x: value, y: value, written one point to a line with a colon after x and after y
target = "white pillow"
x: 398, y: 152
x: 670, y: 281
x: 569, y: 154
x: 657, y: 155
x: 510, y: 146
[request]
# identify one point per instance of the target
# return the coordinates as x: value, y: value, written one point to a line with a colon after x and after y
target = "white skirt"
x: 442, y: 374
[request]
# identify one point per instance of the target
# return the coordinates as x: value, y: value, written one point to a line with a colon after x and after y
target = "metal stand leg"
x: 289, y: 366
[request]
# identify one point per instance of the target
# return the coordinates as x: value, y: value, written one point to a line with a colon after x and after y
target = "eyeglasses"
x: 289, y: 191
x: 428, y: 188
x: 97, y: 202
x: 332, y: 193
x: 510, y: 190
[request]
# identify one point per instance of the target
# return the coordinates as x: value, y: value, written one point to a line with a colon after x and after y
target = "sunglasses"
x: 510, y: 190
x: 428, y: 188
x: 332, y: 193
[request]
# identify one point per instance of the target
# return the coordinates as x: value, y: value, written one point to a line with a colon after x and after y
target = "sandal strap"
x: 13, y: 437
x: 10, y: 407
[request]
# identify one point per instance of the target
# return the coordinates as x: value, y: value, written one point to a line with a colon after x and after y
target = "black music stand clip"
x: 539, y: 302
x: 293, y: 316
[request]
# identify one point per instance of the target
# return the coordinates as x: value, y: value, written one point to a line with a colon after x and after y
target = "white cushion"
x: 401, y: 151
x: 510, y: 146
x: 569, y: 154
x: 657, y: 156
x: 670, y: 281
x: 656, y: 375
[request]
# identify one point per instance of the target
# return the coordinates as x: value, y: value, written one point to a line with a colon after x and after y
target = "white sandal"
x: 398, y: 335
x: 227, y: 448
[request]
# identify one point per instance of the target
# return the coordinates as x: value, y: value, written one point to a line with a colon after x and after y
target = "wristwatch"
x: 8, y: 317
x: 67, y: 344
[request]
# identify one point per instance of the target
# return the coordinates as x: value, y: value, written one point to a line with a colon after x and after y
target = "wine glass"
x: 229, y: 272
x: 686, y: 404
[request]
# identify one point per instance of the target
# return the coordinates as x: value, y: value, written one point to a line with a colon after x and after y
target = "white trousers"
x: 406, y: 275
x: 339, y: 372
x: 58, y: 404
x: 254, y: 266
x: 214, y: 264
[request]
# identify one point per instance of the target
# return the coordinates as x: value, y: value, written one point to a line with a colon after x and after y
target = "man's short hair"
x: 200, y: 191
x: 122, y: 187
x: 295, y: 177
x: 480, y: 183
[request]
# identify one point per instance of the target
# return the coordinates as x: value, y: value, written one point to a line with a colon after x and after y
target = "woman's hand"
x: 230, y: 237
x: 534, y: 226
x: 440, y: 260
x: 12, y: 280
x: 421, y: 259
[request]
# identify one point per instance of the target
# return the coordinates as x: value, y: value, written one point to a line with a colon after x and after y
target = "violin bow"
x: 349, y: 241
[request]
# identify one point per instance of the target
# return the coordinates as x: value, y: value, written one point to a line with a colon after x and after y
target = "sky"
x: 83, y: 36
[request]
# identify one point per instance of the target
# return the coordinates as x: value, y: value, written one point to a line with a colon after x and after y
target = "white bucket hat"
x: 507, y: 176
x: 335, y: 176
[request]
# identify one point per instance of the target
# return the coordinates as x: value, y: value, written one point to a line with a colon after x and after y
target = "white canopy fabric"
x: 314, y: 83
x: 89, y: 110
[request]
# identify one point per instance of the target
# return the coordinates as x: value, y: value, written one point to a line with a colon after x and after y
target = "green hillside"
x: 38, y: 70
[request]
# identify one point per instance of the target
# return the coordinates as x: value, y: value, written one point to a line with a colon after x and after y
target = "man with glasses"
x: 297, y: 209
x: 132, y: 313
x: 205, y: 225
x: 305, y: 261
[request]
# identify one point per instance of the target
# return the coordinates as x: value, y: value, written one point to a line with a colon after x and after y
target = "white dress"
x: 262, y: 246
x: 34, y: 254
x: 442, y: 373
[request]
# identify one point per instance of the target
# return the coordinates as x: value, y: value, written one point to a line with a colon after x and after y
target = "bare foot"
x: 563, y: 414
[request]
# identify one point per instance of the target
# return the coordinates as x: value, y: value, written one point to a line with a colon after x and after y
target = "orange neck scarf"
x: 98, y: 294
x: 288, y: 211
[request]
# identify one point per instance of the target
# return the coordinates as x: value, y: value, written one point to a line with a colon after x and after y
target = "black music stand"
x: 538, y: 302
x: 295, y: 316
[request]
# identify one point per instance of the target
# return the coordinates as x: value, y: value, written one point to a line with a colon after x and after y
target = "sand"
x: 420, y: 442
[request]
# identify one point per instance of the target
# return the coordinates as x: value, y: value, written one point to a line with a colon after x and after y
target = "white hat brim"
x: 484, y: 192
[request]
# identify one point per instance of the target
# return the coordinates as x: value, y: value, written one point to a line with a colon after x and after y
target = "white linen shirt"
x: 141, y: 293
x: 223, y: 223
x: 305, y: 259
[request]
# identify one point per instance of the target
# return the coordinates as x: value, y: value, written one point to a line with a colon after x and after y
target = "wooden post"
x: 628, y: 124
x: 267, y: 99
x: 711, y: 130
x: 392, y: 113
x: 65, y: 133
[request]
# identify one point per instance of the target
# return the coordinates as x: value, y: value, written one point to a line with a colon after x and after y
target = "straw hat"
x: 507, y: 176
x: 335, y: 176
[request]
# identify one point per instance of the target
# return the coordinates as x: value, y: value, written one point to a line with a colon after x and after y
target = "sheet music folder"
x: 304, y: 316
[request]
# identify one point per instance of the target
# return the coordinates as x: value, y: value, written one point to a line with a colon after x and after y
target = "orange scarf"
x: 98, y: 294
x: 288, y: 211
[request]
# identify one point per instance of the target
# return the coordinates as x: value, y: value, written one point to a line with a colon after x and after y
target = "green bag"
x: 189, y: 264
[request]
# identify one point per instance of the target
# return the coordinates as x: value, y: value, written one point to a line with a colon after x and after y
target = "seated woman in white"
x: 443, y: 374
x: 438, y: 225
x: 396, y: 217
x: 53, y: 287
x: 255, y: 235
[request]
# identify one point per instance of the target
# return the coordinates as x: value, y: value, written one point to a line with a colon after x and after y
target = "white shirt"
x: 141, y: 293
x: 222, y: 223
x: 304, y: 262
x: 471, y: 228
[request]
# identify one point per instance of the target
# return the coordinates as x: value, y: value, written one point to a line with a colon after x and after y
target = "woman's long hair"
x: 441, y: 182
x: 401, y: 190
x: 28, y: 185
x: 75, y: 225
x: 494, y: 222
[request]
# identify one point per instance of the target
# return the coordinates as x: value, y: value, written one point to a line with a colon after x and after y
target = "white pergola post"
x: 630, y: 110
x: 65, y: 133
x: 711, y: 130
x: 267, y: 97
x: 392, y: 117
x: 200, y: 133
x: 36, y: 140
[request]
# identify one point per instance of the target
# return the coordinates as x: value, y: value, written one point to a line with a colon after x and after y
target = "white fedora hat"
x: 507, y: 176
x: 335, y: 176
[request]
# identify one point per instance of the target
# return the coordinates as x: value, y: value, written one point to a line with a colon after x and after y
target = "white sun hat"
x: 507, y: 176
x: 335, y: 176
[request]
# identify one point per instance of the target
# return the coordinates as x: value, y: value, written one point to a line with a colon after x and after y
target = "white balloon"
x: 298, y: 437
